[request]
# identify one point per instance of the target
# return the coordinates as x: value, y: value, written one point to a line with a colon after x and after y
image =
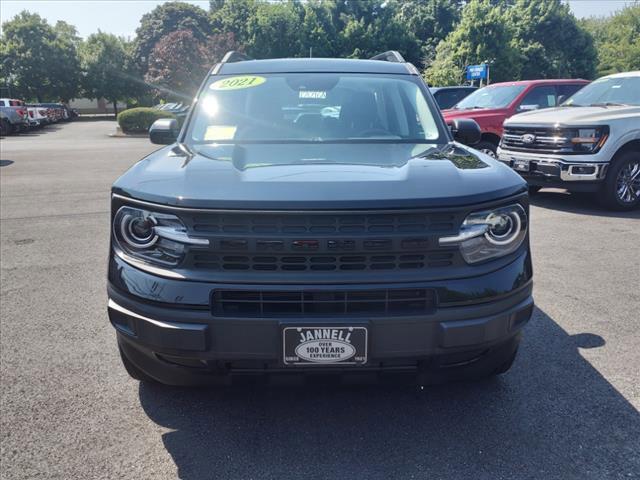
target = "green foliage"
x: 164, y: 19
x: 104, y: 61
x: 523, y: 39
x: 40, y: 61
x: 549, y: 40
x: 138, y: 120
x: 617, y: 39
x: 179, y: 62
x: 481, y: 35
x: 430, y: 21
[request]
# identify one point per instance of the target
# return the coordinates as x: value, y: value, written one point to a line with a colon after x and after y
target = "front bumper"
x: 579, y: 173
x: 186, y: 344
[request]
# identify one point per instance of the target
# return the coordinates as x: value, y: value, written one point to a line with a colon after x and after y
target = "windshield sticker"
x: 220, y: 132
x: 236, y: 83
x: 312, y: 94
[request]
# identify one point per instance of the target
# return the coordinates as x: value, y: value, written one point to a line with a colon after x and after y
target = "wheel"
x: 533, y: 189
x: 133, y: 371
x: 489, y: 148
x: 5, y: 128
x: 621, y: 188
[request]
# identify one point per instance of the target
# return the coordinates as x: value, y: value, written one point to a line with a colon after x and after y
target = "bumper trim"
x: 554, y: 169
x: 183, y: 336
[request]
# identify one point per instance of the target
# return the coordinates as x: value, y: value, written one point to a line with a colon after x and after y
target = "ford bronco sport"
x: 315, y: 216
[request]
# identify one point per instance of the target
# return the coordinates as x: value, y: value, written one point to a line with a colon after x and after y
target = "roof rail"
x: 234, y: 56
x: 390, y: 56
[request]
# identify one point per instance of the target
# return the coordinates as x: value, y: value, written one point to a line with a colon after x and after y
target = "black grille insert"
x: 271, y: 303
x: 328, y: 263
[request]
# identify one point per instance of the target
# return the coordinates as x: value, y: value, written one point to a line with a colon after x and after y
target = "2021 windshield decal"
x: 236, y: 83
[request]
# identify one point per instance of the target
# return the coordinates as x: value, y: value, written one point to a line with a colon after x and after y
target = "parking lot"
x: 568, y: 409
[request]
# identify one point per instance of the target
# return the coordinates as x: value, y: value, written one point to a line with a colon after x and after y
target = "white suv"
x: 590, y: 143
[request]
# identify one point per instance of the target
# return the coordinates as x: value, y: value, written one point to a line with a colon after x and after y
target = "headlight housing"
x: 588, y: 139
x: 490, y: 233
x: 153, y: 237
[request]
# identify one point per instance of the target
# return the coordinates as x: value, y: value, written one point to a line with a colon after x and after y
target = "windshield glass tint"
x: 622, y: 90
x: 318, y: 107
x: 491, y: 97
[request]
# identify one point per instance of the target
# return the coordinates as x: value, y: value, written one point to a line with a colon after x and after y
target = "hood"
x: 289, y: 176
x: 474, y: 113
x: 571, y: 116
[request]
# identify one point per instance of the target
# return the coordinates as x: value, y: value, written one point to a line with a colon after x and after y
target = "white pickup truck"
x: 590, y: 143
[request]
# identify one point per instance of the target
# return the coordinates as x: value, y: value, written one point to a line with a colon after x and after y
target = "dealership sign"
x: 476, y: 72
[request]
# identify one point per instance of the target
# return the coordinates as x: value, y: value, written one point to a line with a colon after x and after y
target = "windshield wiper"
x: 608, y: 104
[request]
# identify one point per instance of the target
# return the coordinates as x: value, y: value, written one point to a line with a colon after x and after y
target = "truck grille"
x: 265, y: 303
x: 543, y: 140
x: 321, y: 262
x: 300, y: 224
x: 321, y: 242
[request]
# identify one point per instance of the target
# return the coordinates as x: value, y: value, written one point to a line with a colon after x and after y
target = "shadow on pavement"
x: 552, y: 416
x: 576, y: 202
x: 5, y: 163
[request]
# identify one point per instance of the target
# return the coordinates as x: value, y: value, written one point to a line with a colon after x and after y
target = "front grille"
x: 300, y: 224
x: 256, y: 242
x: 324, y: 263
x: 266, y: 303
x: 545, y: 140
x: 321, y: 242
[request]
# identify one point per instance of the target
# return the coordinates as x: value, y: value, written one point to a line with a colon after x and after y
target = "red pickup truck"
x: 492, y: 105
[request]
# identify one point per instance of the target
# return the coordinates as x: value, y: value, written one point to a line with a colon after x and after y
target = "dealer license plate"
x: 324, y: 345
x: 521, y: 165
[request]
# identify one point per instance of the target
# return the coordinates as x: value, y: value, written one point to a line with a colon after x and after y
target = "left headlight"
x: 588, y: 140
x: 490, y: 233
x: 153, y: 237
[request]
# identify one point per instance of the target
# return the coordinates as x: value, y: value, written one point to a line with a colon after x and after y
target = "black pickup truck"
x: 316, y: 216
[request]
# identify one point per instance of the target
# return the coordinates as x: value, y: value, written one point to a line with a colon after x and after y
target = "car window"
x: 498, y: 96
x: 448, y: 98
x: 315, y: 107
x: 567, y: 90
x: 539, y: 97
x: 617, y: 90
x: 2, y: 103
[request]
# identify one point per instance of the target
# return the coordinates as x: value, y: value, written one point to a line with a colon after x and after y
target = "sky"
x: 122, y: 17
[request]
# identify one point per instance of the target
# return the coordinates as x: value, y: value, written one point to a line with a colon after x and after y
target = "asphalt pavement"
x: 568, y: 409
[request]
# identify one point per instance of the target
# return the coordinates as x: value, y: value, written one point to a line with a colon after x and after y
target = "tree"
x: 164, y: 19
x: 482, y: 35
x: 179, y: 62
x: 430, y: 21
x: 104, y: 64
x: 235, y: 16
x: 275, y: 31
x: 40, y: 61
x: 617, y: 40
x: 549, y: 40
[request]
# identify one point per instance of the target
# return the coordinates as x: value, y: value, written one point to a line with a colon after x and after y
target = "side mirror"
x: 164, y: 131
x: 528, y: 108
x: 561, y: 99
x: 465, y: 131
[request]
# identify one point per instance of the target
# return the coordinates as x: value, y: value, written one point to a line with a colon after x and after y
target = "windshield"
x: 490, y: 97
x: 608, y: 91
x: 314, y: 107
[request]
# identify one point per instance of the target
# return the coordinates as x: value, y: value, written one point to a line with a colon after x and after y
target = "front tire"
x: 621, y: 188
x: 489, y: 148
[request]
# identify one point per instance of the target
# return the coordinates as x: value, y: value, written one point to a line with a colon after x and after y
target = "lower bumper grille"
x: 282, y: 303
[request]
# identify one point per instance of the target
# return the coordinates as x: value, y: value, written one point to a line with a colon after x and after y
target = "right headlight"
x: 152, y: 237
x: 490, y: 233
